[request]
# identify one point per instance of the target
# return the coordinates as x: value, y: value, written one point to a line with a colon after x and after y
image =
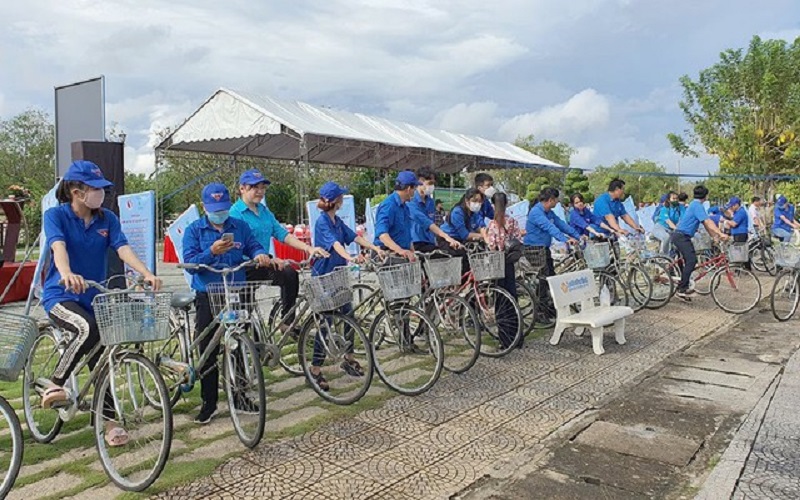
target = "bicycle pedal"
x: 271, y: 355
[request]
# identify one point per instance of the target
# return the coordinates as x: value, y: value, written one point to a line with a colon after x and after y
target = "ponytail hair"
x: 325, y: 205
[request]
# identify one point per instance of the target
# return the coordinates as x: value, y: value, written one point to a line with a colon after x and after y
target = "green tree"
x: 745, y: 109
x: 576, y: 182
x: 721, y: 189
x: 644, y: 188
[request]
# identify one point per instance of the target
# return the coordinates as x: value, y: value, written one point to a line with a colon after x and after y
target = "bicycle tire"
x: 35, y: 415
x: 340, y: 390
x: 251, y: 364
x: 663, y: 284
x: 17, y: 445
x: 458, y: 327
x: 384, y: 367
x: 175, y: 348
x: 702, y: 280
x: 784, y: 301
x: 491, y: 344
x: 136, y: 482
x: 615, y: 287
x: 526, y: 299
x: 289, y: 350
x: 639, y: 285
x: 727, y: 288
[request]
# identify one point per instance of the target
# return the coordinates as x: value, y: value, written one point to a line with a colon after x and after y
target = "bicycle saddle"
x: 182, y: 300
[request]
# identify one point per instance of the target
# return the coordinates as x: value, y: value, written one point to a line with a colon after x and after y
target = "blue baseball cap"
x: 407, y: 178
x: 88, y: 173
x: 216, y: 197
x: 664, y: 198
x: 781, y: 201
x: 330, y: 191
x: 252, y: 177
x: 733, y: 201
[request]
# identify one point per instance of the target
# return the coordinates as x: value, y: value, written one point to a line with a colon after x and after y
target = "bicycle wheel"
x: 289, y: 360
x: 663, y: 285
x: 11, y: 464
x: 702, y: 275
x: 735, y: 289
x: 44, y: 424
x: 500, y: 318
x: 458, y: 328
x: 410, y: 356
x: 338, y: 347
x: 616, y: 290
x: 526, y: 299
x: 785, y: 295
x: 134, y: 466
x: 639, y: 285
x: 244, y: 386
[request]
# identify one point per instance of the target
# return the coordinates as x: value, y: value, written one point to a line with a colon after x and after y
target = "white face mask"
x: 429, y: 190
x: 490, y: 191
x: 94, y: 198
x: 474, y: 207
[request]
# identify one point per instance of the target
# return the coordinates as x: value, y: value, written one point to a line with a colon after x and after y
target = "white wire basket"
x: 329, y: 291
x: 633, y: 246
x: 787, y: 255
x: 400, y: 281
x: 597, y: 255
x: 534, y: 259
x: 737, y: 253
x: 236, y: 303
x: 132, y: 317
x: 701, y: 241
x: 443, y: 272
x: 488, y: 265
x: 17, y: 334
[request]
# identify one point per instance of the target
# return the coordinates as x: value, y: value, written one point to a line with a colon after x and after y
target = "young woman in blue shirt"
x: 79, y: 233
x: 465, y: 223
x: 333, y: 235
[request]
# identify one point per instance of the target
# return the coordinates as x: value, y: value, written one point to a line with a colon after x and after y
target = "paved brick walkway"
x: 437, y: 444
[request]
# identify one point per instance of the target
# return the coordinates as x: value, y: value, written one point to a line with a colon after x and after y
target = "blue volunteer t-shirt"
x: 326, y: 233
x: 605, y: 205
x: 691, y: 219
x: 742, y: 221
x: 422, y: 213
x: 787, y: 212
x: 87, y: 248
x: 460, y: 225
x: 393, y: 218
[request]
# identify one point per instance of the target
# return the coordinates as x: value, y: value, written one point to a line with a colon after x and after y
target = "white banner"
x: 369, y: 225
x: 645, y: 217
x: 137, y: 216
x: 347, y: 213
x: 48, y: 201
x: 560, y: 212
x: 630, y: 208
x: 176, y: 231
x: 519, y: 212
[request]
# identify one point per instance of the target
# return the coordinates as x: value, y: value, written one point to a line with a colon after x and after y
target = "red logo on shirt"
x: 103, y: 232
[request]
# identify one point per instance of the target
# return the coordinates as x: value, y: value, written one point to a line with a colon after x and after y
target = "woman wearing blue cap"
x: 250, y: 209
x: 79, y: 233
x: 784, y: 219
x: 333, y: 235
x: 204, y: 243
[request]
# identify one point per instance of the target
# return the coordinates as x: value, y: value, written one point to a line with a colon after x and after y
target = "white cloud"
x: 477, y: 118
x: 584, y: 111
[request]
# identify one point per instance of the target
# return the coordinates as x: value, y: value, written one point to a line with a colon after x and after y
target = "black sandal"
x: 320, y: 380
x: 352, y: 368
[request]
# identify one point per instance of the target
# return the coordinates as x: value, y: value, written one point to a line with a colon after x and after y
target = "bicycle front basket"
x: 400, y: 281
x: 737, y: 252
x: 129, y: 317
x: 17, y: 334
x: 701, y: 241
x: 597, y: 255
x: 329, y: 291
x: 488, y: 265
x: 535, y: 258
x: 443, y: 272
x: 239, y: 300
x: 787, y: 255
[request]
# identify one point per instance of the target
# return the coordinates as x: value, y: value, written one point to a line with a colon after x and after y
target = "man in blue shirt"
x: 784, y: 223
x: 682, y: 238
x: 423, y: 211
x: 738, y: 221
x: 216, y: 240
x: 262, y: 222
x: 608, y: 207
x: 393, y: 218
x: 485, y: 184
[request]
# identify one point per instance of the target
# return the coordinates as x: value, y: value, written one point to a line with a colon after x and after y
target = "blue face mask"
x: 218, y: 217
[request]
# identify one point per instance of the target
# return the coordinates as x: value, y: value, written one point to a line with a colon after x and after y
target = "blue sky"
x: 601, y: 75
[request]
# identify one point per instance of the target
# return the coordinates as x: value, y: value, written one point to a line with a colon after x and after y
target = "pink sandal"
x: 54, y: 396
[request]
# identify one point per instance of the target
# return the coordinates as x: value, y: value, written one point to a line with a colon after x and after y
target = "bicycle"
x: 786, y: 289
x: 456, y: 321
x: 232, y: 307
x: 536, y: 309
x: 626, y: 267
x: 762, y: 253
x: 17, y: 334
x: 129, y: 389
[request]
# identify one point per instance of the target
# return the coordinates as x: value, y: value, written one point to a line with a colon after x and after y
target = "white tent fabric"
x: 236, y: 123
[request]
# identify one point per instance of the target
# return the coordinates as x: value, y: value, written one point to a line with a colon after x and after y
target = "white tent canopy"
x: 240, y: 124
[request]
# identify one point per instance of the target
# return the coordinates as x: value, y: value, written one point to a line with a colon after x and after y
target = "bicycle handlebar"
x: 218, y: 270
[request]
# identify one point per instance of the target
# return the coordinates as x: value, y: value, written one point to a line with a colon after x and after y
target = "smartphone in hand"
x: 228, y: 237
